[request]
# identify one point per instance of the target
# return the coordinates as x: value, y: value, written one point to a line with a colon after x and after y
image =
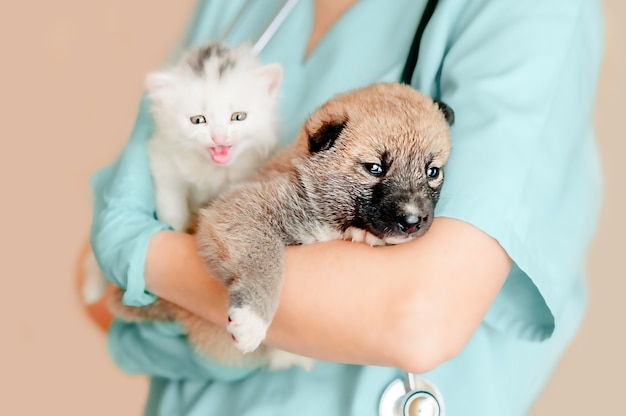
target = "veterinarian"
x: 483, y: 306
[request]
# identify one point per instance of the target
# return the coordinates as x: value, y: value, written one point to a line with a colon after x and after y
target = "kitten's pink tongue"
x: 220, y: 154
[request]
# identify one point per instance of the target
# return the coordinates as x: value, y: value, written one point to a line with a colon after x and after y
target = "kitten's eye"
x: 199, y: 119
x: 374, y: 169
x: 432, y: 172
x: 238, y: 116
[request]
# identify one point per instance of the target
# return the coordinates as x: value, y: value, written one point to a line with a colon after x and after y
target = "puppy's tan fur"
x: 367, y: 165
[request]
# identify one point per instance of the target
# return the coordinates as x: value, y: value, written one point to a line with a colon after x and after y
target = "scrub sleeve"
x: 124, y: 217
x: 524, y: 168
x: 524, y: 161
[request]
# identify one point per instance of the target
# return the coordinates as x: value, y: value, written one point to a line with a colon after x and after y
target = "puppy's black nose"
x: 411, y: 223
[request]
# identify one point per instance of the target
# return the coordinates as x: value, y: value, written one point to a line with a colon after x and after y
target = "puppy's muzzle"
x: 411, y: 223
x: 406, y: 227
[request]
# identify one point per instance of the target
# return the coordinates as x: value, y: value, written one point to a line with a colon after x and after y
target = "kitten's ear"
x: 273, y: 74
x: 157, y: 81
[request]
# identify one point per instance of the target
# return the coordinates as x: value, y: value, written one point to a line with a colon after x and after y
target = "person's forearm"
x: 411, y: 306
x: 174, y: 271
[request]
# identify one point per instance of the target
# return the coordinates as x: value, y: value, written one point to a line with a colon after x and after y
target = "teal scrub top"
x: 522, y: 78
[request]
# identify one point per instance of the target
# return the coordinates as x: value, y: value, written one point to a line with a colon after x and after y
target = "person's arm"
x: 124, y: 213
x: 523, y: 100
x: 416, y: 305
x: 411, y: 306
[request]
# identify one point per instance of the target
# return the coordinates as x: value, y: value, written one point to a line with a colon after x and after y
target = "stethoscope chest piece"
x: 412, y: 397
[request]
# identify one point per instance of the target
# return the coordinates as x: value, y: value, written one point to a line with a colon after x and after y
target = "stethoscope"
x: 408, y: 396
x: 411, y: 396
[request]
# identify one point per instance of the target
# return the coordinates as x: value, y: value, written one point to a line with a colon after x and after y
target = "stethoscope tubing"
x: 270, y: 30
x: 274, y: 25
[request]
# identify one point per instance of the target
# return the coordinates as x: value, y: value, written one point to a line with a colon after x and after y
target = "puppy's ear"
x: 324, y: 135
x: 446, y: 110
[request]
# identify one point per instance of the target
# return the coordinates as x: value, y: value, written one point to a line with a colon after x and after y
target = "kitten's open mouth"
x: 220, y: 154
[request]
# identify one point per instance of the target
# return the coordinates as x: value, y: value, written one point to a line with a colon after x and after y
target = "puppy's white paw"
x: 282, y: 360
x: 372, y: 240
x: 358, y: 235
x: 247, y: 328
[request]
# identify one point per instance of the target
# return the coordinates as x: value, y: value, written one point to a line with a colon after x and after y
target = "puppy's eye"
x: 374, y: 169
x: 432, y: 172
x: 238, y: 116
x: 199, y: 119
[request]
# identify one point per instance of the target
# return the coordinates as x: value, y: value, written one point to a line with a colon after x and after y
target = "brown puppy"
x: 367, y: 166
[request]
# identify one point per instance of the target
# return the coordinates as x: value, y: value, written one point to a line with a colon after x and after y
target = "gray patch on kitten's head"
x: 226, y: 58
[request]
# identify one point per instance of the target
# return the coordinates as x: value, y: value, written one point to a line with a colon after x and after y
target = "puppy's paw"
x: 247, y: 328
x: 358, y: 235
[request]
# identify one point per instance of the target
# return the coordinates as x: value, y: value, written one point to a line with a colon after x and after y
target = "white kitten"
x: 215, y: 124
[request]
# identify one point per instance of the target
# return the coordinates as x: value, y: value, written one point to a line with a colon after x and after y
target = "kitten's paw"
x: 247, y: 328
x: 282, y: 360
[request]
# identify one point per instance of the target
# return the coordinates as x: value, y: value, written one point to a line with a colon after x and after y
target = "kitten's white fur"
x: 192, y: 163
x: 185, y: 174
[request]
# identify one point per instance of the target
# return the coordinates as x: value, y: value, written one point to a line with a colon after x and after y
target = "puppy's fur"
x: 367, y: 166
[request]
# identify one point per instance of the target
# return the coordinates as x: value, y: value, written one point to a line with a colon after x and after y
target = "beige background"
x: 70, y: 79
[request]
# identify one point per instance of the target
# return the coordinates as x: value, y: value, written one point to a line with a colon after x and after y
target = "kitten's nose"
x: 219, y: 138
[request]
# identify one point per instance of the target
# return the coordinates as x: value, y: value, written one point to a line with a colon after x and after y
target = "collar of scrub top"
x: 270, y: 29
